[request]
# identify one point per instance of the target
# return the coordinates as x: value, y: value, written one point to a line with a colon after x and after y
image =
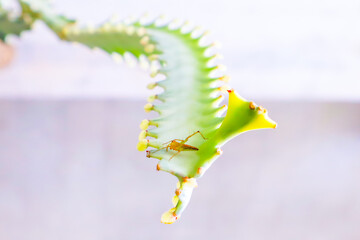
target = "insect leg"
x: 174, y: 155
x: 154, y: 151
x: 186, y: 139
x: 172, y: 140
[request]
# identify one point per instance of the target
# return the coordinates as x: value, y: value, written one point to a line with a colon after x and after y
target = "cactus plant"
x: 12, y: 25
x: 187, y: 135
x: 9, y: 25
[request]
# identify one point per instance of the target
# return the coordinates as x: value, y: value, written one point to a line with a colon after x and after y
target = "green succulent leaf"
x: 11, y: 25
x: 40, y: 10
x: 190, y: 128
x: 187, y: 135
x: 112, y: 38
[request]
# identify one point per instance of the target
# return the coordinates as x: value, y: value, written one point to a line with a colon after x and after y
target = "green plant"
x: 13, y: 25
x: 9, y: 25
x: 193, y: 89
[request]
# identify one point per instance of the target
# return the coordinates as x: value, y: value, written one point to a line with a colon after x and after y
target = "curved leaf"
x: 187, y: 134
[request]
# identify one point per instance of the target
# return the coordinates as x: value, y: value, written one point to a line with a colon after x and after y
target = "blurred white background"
x: 273, y: 49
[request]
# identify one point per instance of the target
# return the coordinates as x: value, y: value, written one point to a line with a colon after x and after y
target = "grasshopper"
x: 179, y: 145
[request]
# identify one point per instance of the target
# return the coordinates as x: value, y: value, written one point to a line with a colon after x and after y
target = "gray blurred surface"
x: 70, y: 170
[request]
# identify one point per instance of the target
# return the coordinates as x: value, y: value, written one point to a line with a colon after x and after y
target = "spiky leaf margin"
x: 189, y: 101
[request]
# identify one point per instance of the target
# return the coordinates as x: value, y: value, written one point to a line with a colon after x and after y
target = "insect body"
x: 179, y: 145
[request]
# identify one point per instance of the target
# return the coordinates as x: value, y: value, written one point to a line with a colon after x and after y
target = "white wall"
x: 273, y: 49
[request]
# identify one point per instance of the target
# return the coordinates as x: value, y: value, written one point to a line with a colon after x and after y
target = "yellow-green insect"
x: 179, y: 145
